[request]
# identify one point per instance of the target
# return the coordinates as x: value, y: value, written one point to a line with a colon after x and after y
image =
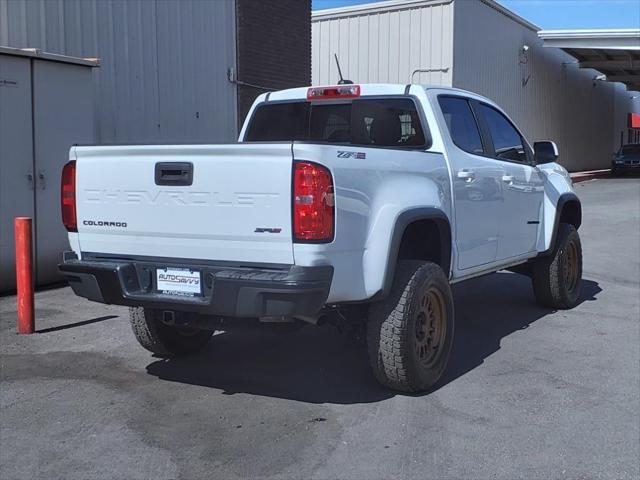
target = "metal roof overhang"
x: 54, y: 57
x: 614, y: 53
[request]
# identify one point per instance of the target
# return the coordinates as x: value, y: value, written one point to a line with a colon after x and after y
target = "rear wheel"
x: 410, y: 333
x: 557, y: 278
x: 163, y: 339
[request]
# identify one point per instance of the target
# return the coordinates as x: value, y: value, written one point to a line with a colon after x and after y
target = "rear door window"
x: 385, y: 122
x: 461, y: 124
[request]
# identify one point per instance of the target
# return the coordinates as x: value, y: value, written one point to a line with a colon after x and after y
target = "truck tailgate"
x: 137, y: 201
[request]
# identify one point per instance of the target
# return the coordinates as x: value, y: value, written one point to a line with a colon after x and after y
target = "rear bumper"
x: 227, y: 291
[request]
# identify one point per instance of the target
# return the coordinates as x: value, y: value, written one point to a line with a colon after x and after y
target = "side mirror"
x: 545, y: 152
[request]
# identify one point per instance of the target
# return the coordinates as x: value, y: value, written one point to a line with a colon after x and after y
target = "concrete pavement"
x: 530, y: 393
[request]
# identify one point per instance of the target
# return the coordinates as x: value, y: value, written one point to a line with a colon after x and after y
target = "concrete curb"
x: 589, y: 175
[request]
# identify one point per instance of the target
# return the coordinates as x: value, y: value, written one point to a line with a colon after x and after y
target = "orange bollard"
x: 24, y: 275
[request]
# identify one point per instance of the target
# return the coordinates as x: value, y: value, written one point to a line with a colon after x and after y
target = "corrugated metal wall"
x: 543, y: 90
x: 384, y: 44
x: 163, y: 75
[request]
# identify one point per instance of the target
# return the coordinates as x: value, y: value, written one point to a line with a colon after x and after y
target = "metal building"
x: 478, y: 45
x: 146, y: 90
x: 171, y: 71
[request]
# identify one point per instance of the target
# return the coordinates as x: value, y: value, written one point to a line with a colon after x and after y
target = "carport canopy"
x: 614, y: 53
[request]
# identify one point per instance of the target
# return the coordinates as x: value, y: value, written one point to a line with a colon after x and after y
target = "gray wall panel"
x: 163, y: 73
x: 385, y: 44
x: 62, y: 115
x: 16, y: 157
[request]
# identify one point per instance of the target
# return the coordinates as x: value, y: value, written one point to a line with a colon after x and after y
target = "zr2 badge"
x: 356, y: 155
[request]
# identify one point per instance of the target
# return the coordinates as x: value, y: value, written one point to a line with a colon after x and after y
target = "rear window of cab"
x: 384, y: 122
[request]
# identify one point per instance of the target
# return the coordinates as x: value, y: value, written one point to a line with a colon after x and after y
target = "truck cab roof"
x: 366, y: 89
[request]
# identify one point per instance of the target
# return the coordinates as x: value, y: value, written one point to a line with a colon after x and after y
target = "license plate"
x: 179, y: 281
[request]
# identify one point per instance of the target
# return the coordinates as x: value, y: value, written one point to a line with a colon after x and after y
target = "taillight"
x: 313, y: 203
x: 68, y: 197
x: 337, y: 91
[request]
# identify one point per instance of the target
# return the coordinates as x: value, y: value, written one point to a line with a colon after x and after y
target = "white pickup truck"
x: 370, y: 199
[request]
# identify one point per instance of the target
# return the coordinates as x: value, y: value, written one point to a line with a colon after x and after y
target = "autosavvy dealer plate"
x: 179, y: 281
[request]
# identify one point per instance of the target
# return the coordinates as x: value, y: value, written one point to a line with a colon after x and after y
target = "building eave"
x: 617, y: 39
x: 615, y: 53
x: 54, y: 57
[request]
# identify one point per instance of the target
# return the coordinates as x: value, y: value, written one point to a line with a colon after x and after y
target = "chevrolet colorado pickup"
x: 339, y: 199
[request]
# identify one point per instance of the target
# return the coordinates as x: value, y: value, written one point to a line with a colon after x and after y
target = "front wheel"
x: 410, y: 333
x: 557, y: 278
x: 162, y: 339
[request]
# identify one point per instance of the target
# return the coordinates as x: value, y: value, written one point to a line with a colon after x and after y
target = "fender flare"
x: 562, y: 201
x: 402, y: 222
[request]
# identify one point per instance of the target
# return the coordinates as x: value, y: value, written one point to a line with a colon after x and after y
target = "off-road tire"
x: 165, y: 340
x: 557, y: 278
x: 394, y: 343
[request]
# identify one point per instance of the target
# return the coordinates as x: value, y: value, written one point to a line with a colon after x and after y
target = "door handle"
x: 465, y: 174
x: 30, y: 180
x: 42, y: 180
x: 507, y: 179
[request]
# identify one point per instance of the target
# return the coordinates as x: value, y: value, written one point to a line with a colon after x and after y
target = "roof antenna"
x: 342, y: 81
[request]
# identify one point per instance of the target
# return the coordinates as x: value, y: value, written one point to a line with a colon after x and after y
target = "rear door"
x: 205, y: 202
x: 476, y: 184
x: 522, y: 184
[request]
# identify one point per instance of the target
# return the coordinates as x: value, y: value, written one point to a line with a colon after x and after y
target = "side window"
x: 461, y: 123
x: 507, y: 142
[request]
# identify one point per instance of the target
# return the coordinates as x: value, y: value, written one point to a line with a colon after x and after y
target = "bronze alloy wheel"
x: 430, y: 327
x: 571, y: 266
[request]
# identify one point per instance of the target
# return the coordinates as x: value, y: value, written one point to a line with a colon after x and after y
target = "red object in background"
x: 634, y: 120
x: 24, y: 275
